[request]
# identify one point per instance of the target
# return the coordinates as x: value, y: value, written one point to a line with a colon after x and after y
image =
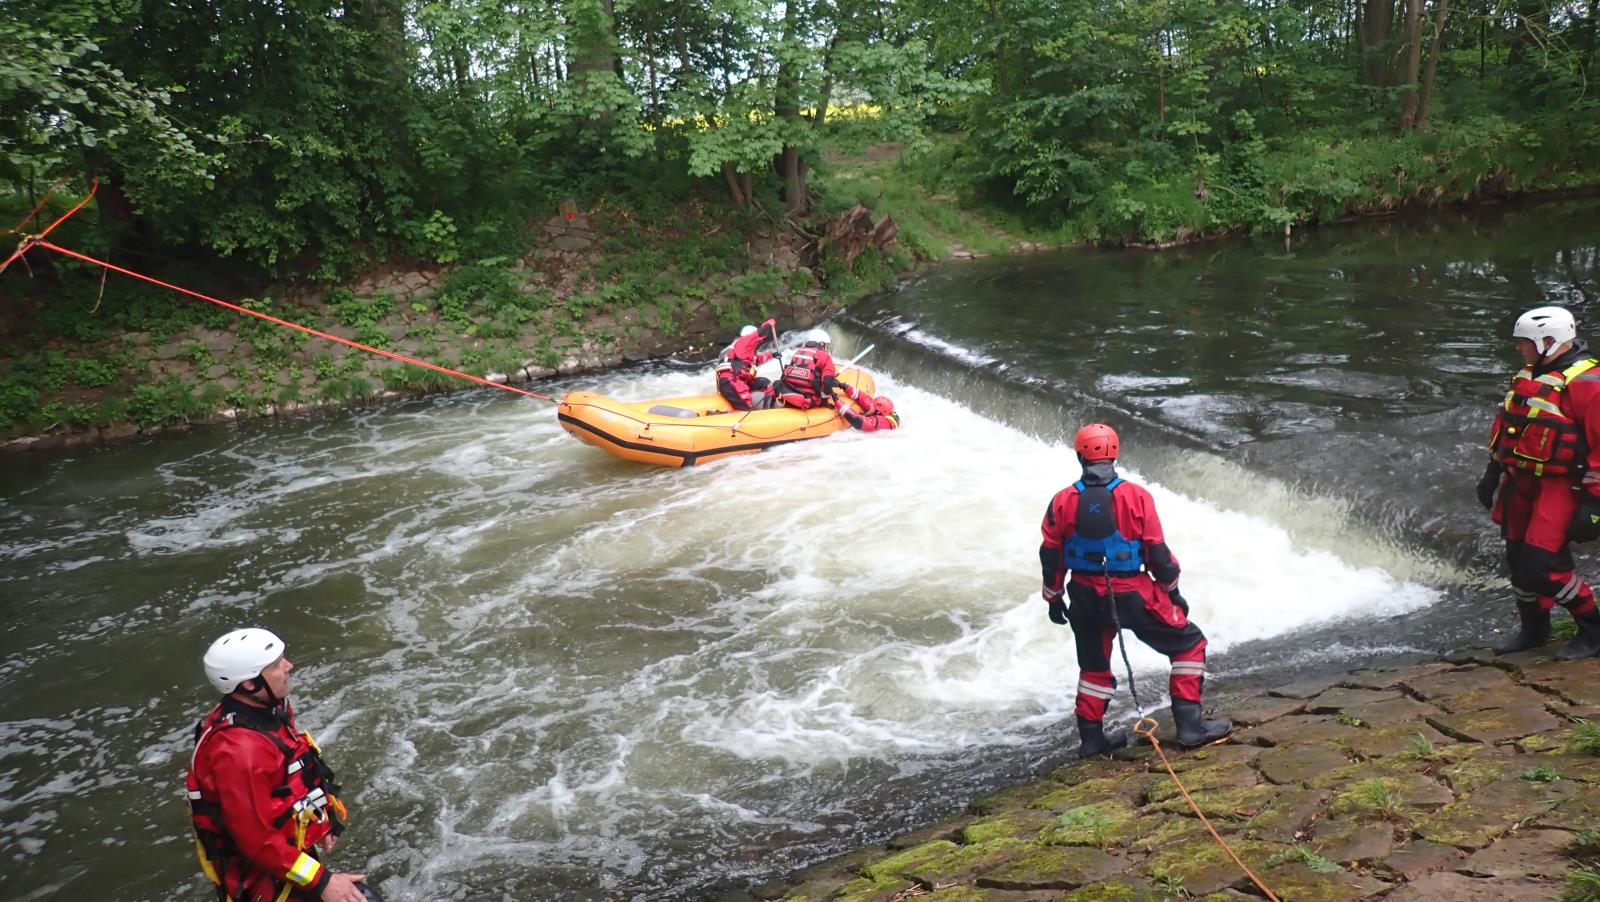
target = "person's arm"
x: 1586, y: 400
x: 1158, y: 558
x: 249, y: 768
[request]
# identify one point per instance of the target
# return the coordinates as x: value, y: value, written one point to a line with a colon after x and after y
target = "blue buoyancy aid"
x: 1097, y: 545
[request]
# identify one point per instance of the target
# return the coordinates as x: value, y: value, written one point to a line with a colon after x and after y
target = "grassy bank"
x: 948, y: 199
x: 1469, y: 778
x: 81, y: 361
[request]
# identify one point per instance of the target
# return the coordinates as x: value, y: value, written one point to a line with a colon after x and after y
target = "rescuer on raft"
x: 1104, y: 532
x: 263, y: 804
x: 810, y: 376
x: 736, y: 368
x: 876, y: 413
x: 1542, y: 484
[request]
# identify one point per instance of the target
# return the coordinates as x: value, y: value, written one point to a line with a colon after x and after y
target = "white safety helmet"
x: 1546, y: 322
x: 818, y: 336
x: 241, y: 655
x: 747, y: 331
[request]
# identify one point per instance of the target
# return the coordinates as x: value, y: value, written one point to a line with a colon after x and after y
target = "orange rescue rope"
x: 1147, y: 729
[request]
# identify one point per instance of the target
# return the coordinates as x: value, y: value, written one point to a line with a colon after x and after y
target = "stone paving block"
x: 1495, y: 697
x: 1287, y: 815
x: 1223, y: 775
x: 1496, y: 724
x: 1399, y: 710
x: 1306, y: 689
x: 1340, y: 698
x: 1121, y: 889
x: 1492, y: 811
x: 1204, y: 868
x: 1054, y: 867
x: 1396, y: 740
x: 1421, y: 857
x: 1438, y: 687
x: 1207, y: 757
x: 1346, y: 840
x: 1017, y: 823
x: 1526, y: 853
x: 1390, y: 677
x: 946, y: 829
x: 1297, y: 729
x: 1299, y: 763
x: 1261, y: 709
x: 1448, y: 886
x: 1294, y: 881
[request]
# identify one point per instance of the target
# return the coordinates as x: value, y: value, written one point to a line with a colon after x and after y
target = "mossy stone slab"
x: 1054, y: 867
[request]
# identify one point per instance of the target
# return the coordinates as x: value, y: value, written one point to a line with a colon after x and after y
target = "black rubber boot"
x: 1193, y: 729
x: 1587, y: 642
x: 1535, y: 630
x: 1095, y: 741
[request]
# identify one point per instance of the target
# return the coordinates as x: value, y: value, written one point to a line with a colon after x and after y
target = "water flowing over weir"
x: 544, y: 673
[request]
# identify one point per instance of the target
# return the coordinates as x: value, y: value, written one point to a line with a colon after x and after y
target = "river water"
x: 546, y: 674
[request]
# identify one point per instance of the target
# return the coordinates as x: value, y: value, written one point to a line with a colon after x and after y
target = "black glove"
x: 1585, y: 525
x: 853, y: 419
x: 1058, y: 612
x: 1487, y: 485
x: 1178, y: 600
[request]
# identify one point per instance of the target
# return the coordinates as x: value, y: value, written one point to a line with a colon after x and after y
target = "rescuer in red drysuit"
x: 810, y: 376
x: 736, y: 369
x: 876, y: 413
x: 262, y: 802
x: 1103, y: 529
x: 1542, y: 484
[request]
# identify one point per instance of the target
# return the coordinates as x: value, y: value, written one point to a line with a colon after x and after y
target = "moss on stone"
x: 1238, y: 804
x: 1016, y: 823
x: 1125, y: 786
x: 1223, y: 775
x: 1100, y: 824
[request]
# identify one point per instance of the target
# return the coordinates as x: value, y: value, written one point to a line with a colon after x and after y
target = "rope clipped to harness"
x: 1146, y: 727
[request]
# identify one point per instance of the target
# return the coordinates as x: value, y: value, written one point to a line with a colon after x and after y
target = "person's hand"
x: 1178, y: 600
x: 1058, y: 612
x: 1487, y: 485
x: 326, y: 844
x: 1585, y: 525
x: 342, y: 888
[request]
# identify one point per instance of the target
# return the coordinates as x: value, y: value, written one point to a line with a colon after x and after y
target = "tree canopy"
x: 307, y: 135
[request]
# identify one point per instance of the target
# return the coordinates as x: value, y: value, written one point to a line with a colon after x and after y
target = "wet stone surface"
x: 1465, y: 787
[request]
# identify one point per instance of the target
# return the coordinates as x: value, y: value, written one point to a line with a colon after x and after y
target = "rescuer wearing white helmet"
x: 1542, y: 484
x: 810, y: 376
x: 735, y: 372
x: 263, y: 804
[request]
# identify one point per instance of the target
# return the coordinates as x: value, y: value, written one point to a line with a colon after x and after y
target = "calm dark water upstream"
x: 545, y: 674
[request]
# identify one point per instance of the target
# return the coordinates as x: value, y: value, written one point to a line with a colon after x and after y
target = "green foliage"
x: 1544, y: 773
x: 1585, y: 738
x: 173, y: 400
x: 1583, y: 884
x: 1420, y: 748
x: 1307, y: 856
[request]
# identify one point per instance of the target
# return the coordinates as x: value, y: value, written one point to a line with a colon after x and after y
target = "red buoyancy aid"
x: 303, y: 808
x: 806, y: 370
x: 1532, y: 432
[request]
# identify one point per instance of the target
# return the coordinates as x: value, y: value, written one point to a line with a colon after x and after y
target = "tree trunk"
x: 786, y: 105
x: 827, y: 82
x: 740, y: 198
x: 1374, y: 27
x: 1433, y: 63
x: 595, y: 37
x: 1412, y: 62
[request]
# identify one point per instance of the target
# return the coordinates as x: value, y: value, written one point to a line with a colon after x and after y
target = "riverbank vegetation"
x: 395, y: 168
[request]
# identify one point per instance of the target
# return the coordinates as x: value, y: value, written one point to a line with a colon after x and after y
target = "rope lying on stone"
x: 1147, y: 729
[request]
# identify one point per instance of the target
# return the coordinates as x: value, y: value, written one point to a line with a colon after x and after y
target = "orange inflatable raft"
x: 682, y: 432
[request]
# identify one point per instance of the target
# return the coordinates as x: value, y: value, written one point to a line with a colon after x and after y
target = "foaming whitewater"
x: 545, y: 672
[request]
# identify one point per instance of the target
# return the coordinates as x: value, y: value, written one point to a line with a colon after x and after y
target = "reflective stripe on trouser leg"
x: 1575, y: 594
x: 1095, y: 689
x: 1188, y: 673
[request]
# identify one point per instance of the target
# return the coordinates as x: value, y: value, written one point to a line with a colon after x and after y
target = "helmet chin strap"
x: 272, y: 699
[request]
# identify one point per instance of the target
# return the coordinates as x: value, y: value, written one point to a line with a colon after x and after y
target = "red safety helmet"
x: 1096, y: 441
x: 882, y: 406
